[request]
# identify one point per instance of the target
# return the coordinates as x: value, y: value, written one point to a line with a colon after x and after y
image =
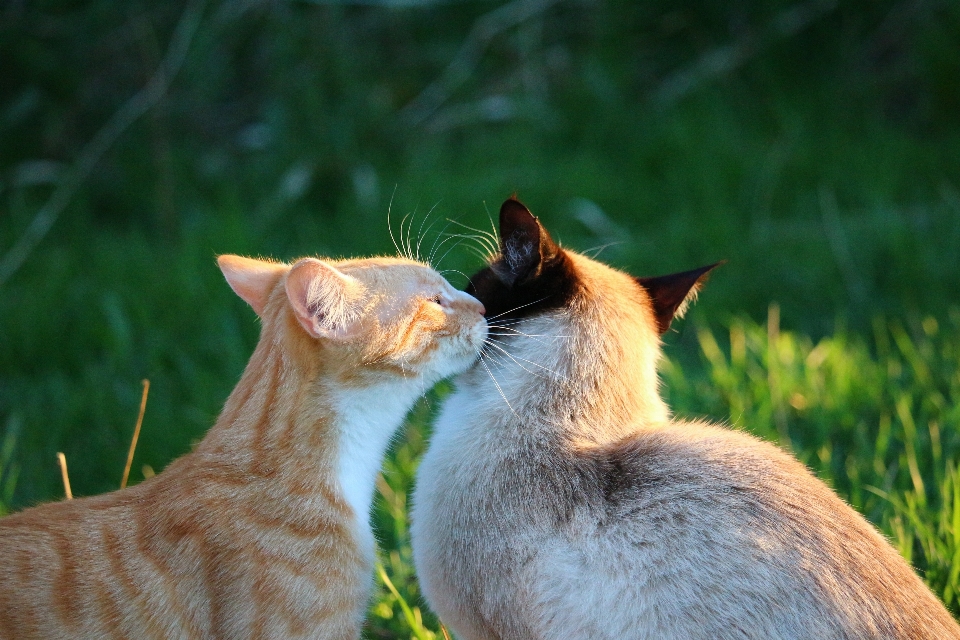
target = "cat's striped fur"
x: 262, y: 531
x: 559, y: 501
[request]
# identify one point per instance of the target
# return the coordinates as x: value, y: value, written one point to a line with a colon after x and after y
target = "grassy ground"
x: 815, y: 146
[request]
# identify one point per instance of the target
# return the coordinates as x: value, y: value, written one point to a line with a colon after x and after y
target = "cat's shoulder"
x: 686, y: 441
x: 699, y: 460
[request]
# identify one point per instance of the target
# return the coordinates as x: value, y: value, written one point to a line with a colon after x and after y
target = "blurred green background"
x: 815, y: 145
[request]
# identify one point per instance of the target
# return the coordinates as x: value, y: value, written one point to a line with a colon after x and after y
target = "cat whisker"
x: 442, y: 234
x: 487, y: 247
x: 477, y: 252
x: 446, y: 271
x: 528, y: 335
x: 493, y: 357
x: 509, y: 322
x: 496, y: 232
x: 497, y: 385
x: 597, y: 250
x: 406, y: 244
x: 461, y: 238
x: 489, y: 239
x: 413, y: 219
x: 517, y: 362
x: 423, y: 221
x: 403, y: 246
x: 517, y: 308
x: 505, y: 337
x: 525, y: 335
x: 390, y: 226
x: 458, y: 239
x: 482, y: 243
x: 522, y: 335
x: 421, y: 234
x: 498, y: 362
x: 491, y: 341
x: 446, y: 238
x: 487, y: 234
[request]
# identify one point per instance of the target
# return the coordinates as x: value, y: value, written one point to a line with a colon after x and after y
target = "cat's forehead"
x: 568, y: 276
x: 392, y: 272
x: 590, y: 270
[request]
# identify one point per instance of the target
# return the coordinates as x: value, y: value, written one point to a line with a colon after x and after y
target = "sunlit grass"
x: 828, y: 181
x: 878, y: 420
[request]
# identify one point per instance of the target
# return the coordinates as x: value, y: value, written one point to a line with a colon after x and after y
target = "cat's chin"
x: 473, y: 374
x: 455, y: 367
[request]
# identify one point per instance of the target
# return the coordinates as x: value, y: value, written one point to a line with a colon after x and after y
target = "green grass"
x: 825, y: 168
x: 870, y: 405
x: 878, y: 419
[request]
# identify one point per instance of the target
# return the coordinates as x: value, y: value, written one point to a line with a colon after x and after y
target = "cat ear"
x: 325, y: 301
x: 672, y: 294
x: 524, y: 243
x: 251, y: 279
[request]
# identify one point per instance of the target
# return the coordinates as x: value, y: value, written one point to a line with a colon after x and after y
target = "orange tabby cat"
x: 262, y: 531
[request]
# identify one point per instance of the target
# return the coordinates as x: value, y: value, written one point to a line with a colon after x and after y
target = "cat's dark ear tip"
x: 705, y: 271
x: 513, y: 204
x: 514, y: 213
x: 671, y: 294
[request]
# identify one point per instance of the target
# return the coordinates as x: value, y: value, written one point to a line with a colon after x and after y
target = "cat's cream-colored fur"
x: 262, y: 531
x: 558, y: 500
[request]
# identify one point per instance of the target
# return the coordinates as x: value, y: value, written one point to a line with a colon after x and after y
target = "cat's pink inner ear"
x: 326, y: 302
x: 251, y: 279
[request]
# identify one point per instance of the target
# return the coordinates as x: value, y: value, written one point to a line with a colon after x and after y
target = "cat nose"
x: 470, y: 301
x: 477, y: 306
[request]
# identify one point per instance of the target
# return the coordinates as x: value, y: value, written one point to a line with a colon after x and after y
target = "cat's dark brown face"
x: 532, y: 275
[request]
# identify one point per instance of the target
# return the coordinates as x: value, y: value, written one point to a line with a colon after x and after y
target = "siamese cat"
x: 559, y: 500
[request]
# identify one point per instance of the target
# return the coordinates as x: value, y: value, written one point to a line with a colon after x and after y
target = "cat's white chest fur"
x: 369, y: 418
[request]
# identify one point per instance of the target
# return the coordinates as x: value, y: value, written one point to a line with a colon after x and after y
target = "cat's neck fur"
x: 308, y: 425
x: 591, y: 374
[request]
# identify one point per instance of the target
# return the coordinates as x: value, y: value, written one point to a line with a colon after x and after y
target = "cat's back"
x: 710, y: 532
x: 178, y: 556
x: 46, y: 537
x: 120, y: 564
x: 57, y: 565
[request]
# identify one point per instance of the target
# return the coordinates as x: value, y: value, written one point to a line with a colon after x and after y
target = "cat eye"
x: 440, y: 300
